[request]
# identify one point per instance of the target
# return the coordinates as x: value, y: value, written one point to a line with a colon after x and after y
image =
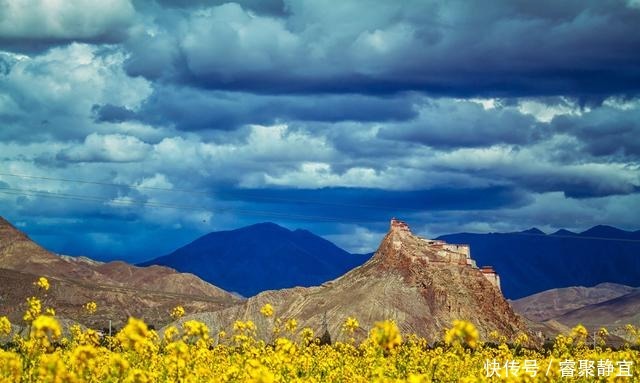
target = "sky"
x: 129, y: 128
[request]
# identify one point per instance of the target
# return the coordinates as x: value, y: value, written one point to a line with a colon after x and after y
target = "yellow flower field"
x: 192, y: 353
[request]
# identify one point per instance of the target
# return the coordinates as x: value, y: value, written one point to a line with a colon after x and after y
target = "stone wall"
x: 451, y: 253
x: 491, y: 275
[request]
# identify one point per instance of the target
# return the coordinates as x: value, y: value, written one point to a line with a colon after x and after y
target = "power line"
x: 572, y: 236
x: 238, y: 196
x: 270, y: 214
x: 100, y: 183
x: 36, y: 193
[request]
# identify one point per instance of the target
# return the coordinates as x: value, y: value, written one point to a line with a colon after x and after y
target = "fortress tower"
x: 441, y: 252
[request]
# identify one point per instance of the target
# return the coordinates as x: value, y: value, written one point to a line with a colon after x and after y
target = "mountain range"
x: 406, y: 279
x: 119, y: 289
x: 551, y: 304
x: 613, y: 314
x: 266, y: 256
x: 261, y: 257
x: 532, y: 261
x: 416, y: 282
x: 608, y: 305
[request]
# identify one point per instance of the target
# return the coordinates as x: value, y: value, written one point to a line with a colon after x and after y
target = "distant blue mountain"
x: 261, y: 257
x: 266, y: 256
x: 532, y: 261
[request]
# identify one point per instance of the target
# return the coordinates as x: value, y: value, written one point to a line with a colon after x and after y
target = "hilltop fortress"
x: 446, y: 253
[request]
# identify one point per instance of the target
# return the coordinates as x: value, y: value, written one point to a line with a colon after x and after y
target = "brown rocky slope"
x: 556, y: 302
x: 119, y: 289
x: 419, y: 283
x: 613, y: 314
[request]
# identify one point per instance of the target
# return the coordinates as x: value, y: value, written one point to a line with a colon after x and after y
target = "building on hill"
x: 458, y: 254
x: 491, y: 275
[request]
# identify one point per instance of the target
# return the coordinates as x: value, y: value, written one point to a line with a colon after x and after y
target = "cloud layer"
x: 149, y: 119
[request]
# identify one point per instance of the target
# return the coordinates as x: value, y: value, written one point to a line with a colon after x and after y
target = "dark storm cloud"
x: 467, y: 124
x: 532, y: 170
x: 605, y: 131
x: 363, y: 202
x: 191, y: 109
x: 485, y: 116
x: 112, y: 113
x: 28, y: 45
x: 579, y: 184
x: 576, y: 48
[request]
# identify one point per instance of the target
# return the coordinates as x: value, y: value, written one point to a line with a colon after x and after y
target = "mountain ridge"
x: 119, y: 289
x: 525, y: 240
x: 532, y: 263
x: 614, y: 313
x: 553, y: 303
x: 419, y: 283
x: 607, y: 305
x: 260, y: 257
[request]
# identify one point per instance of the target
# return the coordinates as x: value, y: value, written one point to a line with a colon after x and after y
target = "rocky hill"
x: 555, y: 302
x: 118, y: 288
x: 613, y: 314
x: 424, y: 285
x: 608, y: 305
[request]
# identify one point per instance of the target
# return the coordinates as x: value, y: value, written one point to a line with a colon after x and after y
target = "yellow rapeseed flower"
x: 291, y: 325
x: 34, y: 309
x: 350, y: 325
x: 383, y: 358
x: 194, y: 331
x: 10, y: 367
x: 462, y: 332
x: 117, y: 365
x: 5, y: 326
x: 46, y: 326
x: 42, y: 283
x: 579, y: 333
x: 177, y: 312
x: 139, y: 376
x: 44, y: 331
x: 52, y: 368
x: 88, y: 337
x: 241, y: 327
x: 135, y: 336
x: 261, y: 374
x: 90, y: 307
x: 267, y: 310
x: 386, y: 335
x: 306, y: 335
x: 187, y: 355
x: 285, y: 346
x: 84, y: 356
x: 171, y: 333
